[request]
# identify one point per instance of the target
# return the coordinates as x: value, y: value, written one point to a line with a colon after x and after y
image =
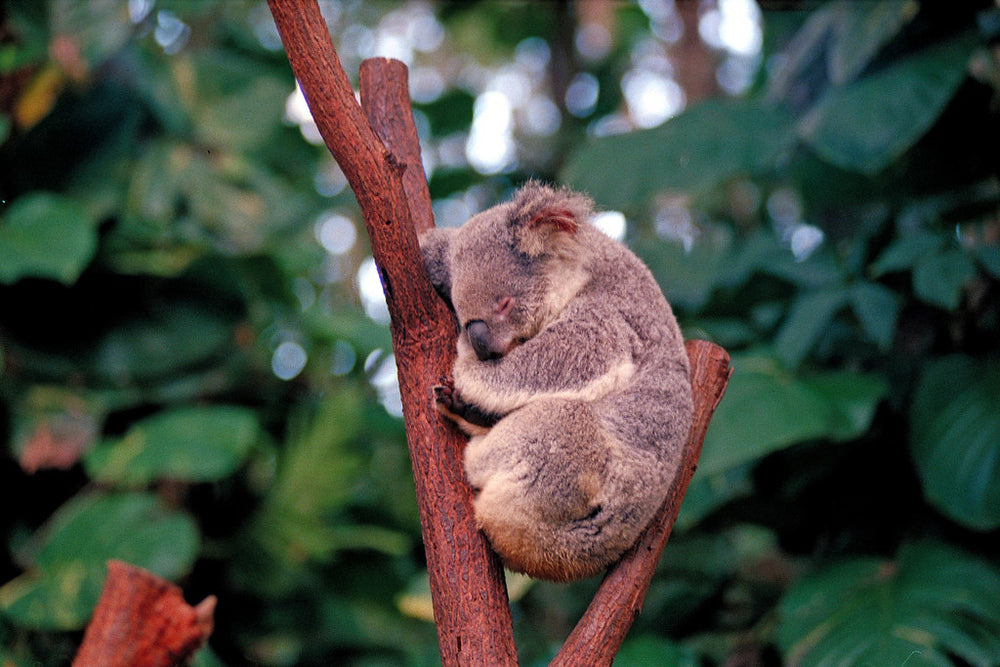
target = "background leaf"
x: 989, y: 256
x: 45, y: 235
x: 877, y: 309
x: 65, y: 575
x: 688, y: 277
x: 808, y: 316
x: 863, y: 31
x: 940, y: 278
x: 955, y: 431
x: 906, y: 251
x: 639, y: 651
x: 193, y: 444
x: 707, y: 144
x: 767, y: 409
x: 865, y: 125
x: 933, y: 603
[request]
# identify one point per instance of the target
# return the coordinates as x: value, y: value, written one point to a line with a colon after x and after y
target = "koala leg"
x: 553, y: 490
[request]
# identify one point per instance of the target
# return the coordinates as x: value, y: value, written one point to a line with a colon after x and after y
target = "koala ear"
x: 434, y: 244
x: 542, y: 230
x: 546, y: 219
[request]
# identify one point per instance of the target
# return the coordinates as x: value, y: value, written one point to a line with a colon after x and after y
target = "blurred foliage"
x: 195, y: 378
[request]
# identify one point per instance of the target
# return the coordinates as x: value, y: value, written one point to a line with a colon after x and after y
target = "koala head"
x: 511, y: 269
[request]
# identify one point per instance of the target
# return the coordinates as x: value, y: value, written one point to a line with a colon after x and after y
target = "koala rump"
x: 570, y: 377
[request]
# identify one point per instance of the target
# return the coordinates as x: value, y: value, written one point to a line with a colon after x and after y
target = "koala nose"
x: 481, y: 340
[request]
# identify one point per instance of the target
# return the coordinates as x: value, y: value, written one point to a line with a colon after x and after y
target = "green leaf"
x: 65, y: 576
x: 45, y: 235
x: 653, y: 650
x: 932, y: 603
x: 182, y: 200
x: 808, y: 316
x: 316, y: 480
x: 877, y: 309
x: 170, y: 336
x: 989, y: 257
x: 709, y: 492
x: 955, y: 439
x: 766, y: 409
x: 246, y: 118
x: 865, y: 125
x: 862, y: 32
x: 847, y: 35
x: 763, y: 253
x: 905, y: 252
x: 451, y: 112
x: 688, y: 277
x: 729, y: 332
x: 940, y: 279
x: 99, y: 29
x: 193, y: 444
x: 850, y: 399
x: 700, y: 149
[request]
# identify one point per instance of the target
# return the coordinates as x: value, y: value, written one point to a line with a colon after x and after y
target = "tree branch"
x: 142, y: 619
x: 385, y: 98
x: 467, y: 586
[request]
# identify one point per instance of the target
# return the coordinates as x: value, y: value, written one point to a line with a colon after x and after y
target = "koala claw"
x: 445, y: 395
x: 469, y: 417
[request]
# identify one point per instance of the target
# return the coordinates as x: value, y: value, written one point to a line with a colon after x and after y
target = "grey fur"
x: 574, y: 348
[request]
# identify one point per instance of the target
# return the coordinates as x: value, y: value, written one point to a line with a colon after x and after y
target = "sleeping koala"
x: 571, y: 378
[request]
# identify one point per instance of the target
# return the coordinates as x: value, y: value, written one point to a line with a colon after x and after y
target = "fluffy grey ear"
x: 434, y: 246
x: 545, y: 219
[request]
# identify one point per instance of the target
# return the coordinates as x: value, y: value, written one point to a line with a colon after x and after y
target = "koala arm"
x: 469, y: 418
x: 584, y: 355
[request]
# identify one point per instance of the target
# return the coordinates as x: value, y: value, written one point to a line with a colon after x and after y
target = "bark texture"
x: 377, y: 148
x: 142, y: 620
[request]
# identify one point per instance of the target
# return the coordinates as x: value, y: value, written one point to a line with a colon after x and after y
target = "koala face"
x: 511, y: 269
x: 495, y: 290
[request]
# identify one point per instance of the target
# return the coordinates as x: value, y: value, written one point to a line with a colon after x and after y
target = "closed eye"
x: 503, y: 305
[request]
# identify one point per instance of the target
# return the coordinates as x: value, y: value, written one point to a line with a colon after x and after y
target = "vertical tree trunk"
x: 383, y: 168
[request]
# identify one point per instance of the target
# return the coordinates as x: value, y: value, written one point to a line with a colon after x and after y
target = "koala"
x: 570, y: 378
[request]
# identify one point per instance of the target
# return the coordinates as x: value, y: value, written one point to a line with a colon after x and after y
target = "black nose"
x: 481, y: 341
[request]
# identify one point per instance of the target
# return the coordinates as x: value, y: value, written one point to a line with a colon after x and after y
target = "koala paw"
x: 445, y: 395
x: 471, y: 418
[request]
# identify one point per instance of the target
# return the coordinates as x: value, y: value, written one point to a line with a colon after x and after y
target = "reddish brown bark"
x: 385, y: 98
x: 384, y: 170
x: 142, y: 620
